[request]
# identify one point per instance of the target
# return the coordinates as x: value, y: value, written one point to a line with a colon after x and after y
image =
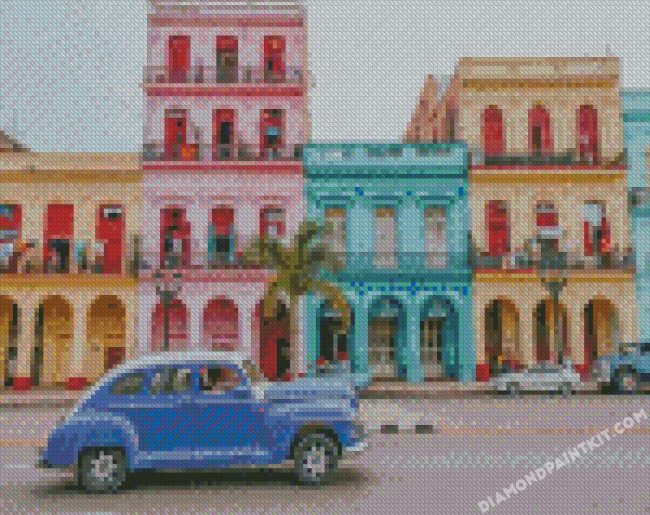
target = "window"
x: 217, y: 380
x: 596, y: 229
x: 548, y: 229
x: 272, y: 223
x: 539, y: 131
x: 335, y: 229
x: 588, y: 134
x: 385, y: 237
x: 129, y: 385
x: 111, y: 213
x: 492, y: 131
x: 435, y: 236
x: 170, y: 381
x: 498, y: 227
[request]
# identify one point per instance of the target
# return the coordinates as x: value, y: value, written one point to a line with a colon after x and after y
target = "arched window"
x: 493, y: 144
x: 539, y: 131
x: 588, y: 134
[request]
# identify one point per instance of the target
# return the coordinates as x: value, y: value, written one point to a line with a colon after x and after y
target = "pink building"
x: 225, y: 117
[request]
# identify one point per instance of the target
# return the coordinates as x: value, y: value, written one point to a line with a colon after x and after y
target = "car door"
x: 231, y: 419
x: 166, y: 429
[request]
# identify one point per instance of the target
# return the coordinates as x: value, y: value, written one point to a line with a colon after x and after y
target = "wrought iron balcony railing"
x: 570, y: 157
x: 212, y: 75
x: 194, y: 152
x: 559, y: 261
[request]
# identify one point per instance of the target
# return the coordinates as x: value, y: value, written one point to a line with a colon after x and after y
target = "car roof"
x: 187, y: 357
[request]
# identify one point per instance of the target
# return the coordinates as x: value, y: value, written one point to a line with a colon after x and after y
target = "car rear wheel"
x: 102, y: 470
x: 315, y: 459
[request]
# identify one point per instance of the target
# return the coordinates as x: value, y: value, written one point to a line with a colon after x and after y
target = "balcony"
x: 564, y: 261
x: 211, y: 75
x: 30, y: 261
x: 568, y: 158
x: 194, y: 152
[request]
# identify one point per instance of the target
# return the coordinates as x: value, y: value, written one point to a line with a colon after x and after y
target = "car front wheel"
x: 315, y: 459
x: 102, y: 470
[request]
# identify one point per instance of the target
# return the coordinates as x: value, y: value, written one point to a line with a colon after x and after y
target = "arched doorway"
x: 8, y: 340
x: 177, y: 320
x: 333, y: 343
x: 385, y: 338
x: 544, y: 332
x: 106, y: 336
x: 54, y: 328
x: 601, y: 330
x: 502, y: 344
x: 275, y: 350
x: 221, y: 325
x: 439, y: 346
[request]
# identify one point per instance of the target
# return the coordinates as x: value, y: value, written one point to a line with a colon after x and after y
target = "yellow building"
x: 68, y: 236
x: 548, y: 206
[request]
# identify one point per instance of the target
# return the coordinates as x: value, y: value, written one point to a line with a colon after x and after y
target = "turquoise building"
x: 636, y: 127
x: 398, y: 215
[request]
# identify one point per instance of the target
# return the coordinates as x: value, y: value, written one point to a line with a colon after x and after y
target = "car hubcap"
x: 315, y: 461
x: 103, y: 466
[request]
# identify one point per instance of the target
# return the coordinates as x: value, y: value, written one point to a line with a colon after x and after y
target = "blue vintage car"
x: 203, y: 411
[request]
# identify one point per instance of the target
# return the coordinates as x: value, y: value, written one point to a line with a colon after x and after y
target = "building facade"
x: 397, y: 215
x: 68, y: 256
x: 225, y: 118
x: 548, y: 199
x: 636, y: 126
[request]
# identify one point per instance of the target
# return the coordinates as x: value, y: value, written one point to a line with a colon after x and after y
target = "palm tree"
x: 300, y: 269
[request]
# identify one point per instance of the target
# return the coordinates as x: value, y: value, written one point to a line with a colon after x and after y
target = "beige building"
x: 68, y: 241
x: 548, y: 205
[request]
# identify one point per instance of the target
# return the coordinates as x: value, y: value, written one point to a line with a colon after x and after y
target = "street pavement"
x: 477, y: 448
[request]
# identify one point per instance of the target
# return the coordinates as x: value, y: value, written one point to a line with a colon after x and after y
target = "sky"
x: 71, y: 70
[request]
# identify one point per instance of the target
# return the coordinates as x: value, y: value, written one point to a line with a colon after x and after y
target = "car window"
x: 218, y: 379
x: 645, y: 348
x: 171, y: 380
x: 131, y: 384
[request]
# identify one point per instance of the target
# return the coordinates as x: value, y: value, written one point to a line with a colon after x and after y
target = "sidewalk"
x: 377, y: 390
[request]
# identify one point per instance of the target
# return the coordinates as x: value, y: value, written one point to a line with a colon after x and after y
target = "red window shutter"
x: 589, y: 247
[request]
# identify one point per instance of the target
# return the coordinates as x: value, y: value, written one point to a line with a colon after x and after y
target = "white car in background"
x: 543, y: 377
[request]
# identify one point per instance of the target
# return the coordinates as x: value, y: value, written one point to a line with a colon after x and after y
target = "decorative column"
x: 195, y: 305
x: 466, y: 365
x: 526, y: 334
x: 414, y: 372
x: 247, y: 224
x: 199, y: 216
x: 360, y: 352
x: 246, y: 309
x: 76, y: 378
x: 146, y: 303
x: 26, y: 334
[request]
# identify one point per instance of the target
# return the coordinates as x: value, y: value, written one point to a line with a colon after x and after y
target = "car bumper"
x: 357, y: 447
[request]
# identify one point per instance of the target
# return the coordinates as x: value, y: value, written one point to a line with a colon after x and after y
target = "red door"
x: 227, y: 59
x: 179, y: 58
x: 274, y: 58
x: 271, y: 131
x: 175, y: 134
x: 223, y: 133
x: 274, y: 338
x: 498, y: 226
x: 539, y: 131
x: 492, y: 131
x: 588, y: 134
x: 110, y: 233
x: 10, y: 232
x: 175, y: 233
x: 59, y: 226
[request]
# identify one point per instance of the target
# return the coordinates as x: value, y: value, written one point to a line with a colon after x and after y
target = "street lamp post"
x: 168, y: 287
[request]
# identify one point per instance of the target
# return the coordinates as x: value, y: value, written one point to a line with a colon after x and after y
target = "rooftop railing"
x: 212, y: 75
